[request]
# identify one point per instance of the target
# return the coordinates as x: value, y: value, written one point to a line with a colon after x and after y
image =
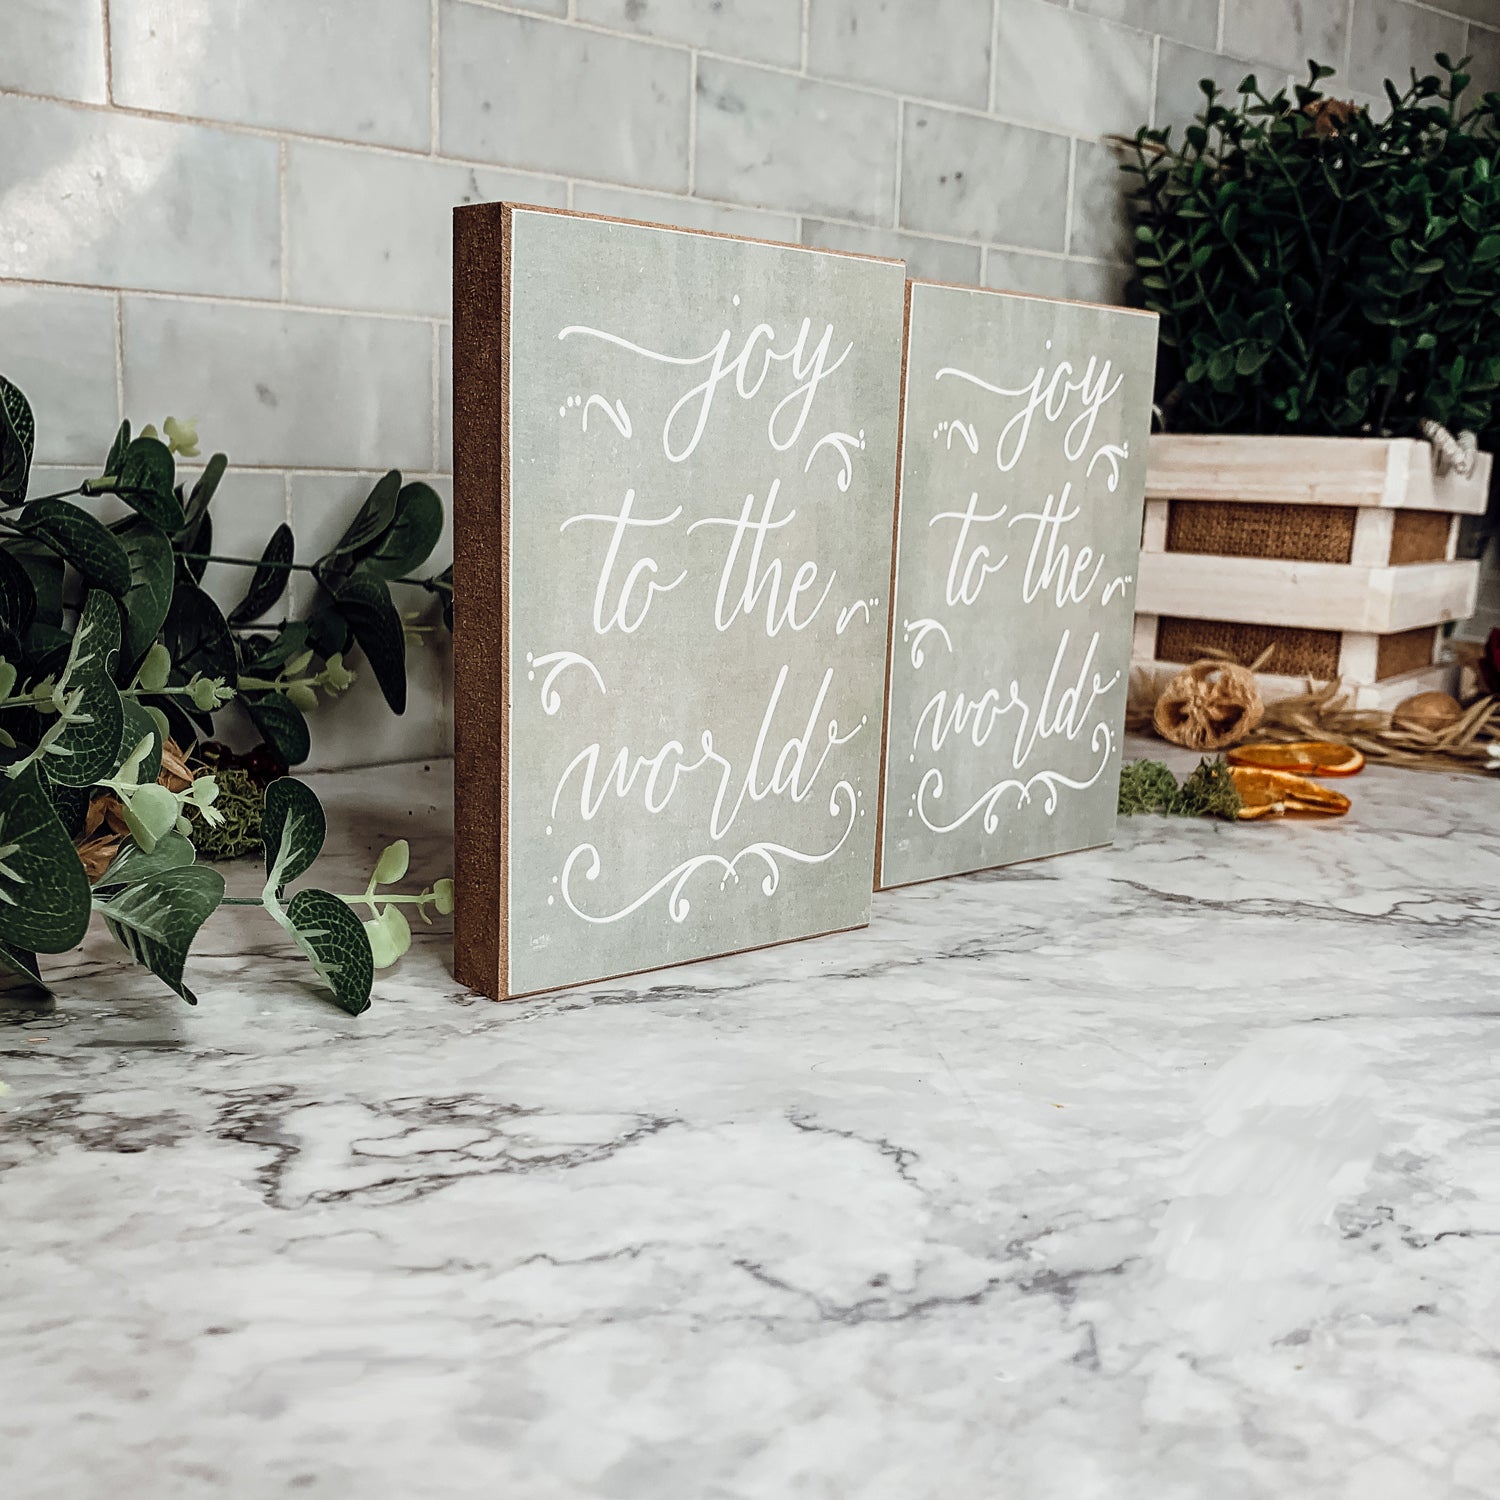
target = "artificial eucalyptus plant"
x: 1321, y: 268
x: 114, y: 662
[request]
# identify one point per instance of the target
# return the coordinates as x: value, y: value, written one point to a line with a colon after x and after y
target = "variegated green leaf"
x: 44, y: 892
x: 155, y: 920
x: 292, y: 829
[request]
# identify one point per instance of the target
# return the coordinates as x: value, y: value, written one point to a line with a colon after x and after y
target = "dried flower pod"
x: 1433, y: 712
x: 1208, y: 706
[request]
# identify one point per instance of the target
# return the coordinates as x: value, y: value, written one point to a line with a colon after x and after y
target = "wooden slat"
x: 1317, y: 596
x: 1394, y: 473
x: 1383, y: 696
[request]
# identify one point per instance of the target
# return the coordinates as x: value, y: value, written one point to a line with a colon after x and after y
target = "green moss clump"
x: 242, y: 804
x: 1147, y: 786
x: 1209, y: 792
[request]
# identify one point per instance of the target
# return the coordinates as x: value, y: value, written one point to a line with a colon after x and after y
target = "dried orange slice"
x: 1311, y: 757
x: 1270, y: 794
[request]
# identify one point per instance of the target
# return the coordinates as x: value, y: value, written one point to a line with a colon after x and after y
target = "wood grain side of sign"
x: 481, y: 570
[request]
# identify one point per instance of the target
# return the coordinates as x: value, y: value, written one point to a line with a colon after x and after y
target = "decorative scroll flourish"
x: 559, y: 662
x: 842, y: 798
x: 1101, y: 743
x: 916, y: 631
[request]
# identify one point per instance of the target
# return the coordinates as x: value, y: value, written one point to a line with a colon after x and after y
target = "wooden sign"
x: 1024, y: 430
x: 674, y: 478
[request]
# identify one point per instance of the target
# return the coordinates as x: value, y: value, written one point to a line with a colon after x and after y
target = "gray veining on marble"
x: 1162, y: 1171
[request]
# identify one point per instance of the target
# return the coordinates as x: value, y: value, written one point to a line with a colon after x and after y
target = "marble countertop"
x: 1162, y: 1171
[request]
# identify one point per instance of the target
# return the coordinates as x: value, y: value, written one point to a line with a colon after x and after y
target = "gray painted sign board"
x: 693, y: 502
x: 1024, y: 438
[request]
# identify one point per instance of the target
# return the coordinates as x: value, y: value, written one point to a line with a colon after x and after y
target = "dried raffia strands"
x: 1323, y: 713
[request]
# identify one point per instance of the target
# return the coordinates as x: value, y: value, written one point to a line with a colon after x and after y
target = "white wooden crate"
x: 1363, y: 600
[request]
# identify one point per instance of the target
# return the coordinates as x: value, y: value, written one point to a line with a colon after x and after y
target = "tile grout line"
x: 109, y: 54
x: 414, y: 153
x: 285, y: 226
x: 1348, y: 58
x: 896, y: 175
x: 119, y: 356
x: 1219, y: 32
x: 432, y: 83
x: 989, y: 97
x: 1155, y: 81
x: 692, y: 163
x: 1068, y: 200
x: 806, y: 34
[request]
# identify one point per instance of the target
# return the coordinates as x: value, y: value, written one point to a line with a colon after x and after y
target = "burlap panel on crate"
x: 1419, y: 536
x: 1299, y: 653
x: 1248, y: 528
x: 1406, y: 651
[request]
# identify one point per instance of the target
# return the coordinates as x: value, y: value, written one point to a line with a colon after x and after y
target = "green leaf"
x: 89, y: 748
x: 334, y: 940
x: 44, y: 892
x: 412, y: 534
x: 17, y: 440
x: 393, y: 862
x: 17, y: 597
x: 364, y: 601
x: 133, y: 864
x: 327, y: 632
x: 146, y: 481
x: 116, y: 455
x: 198, y: 637
x: 373, y: 517
x: 156, y: 919
x: 73, y: 534
x: 149, y: 598
x: 150, y: 814
x: 389, y: 935
x: 292, y: 829
x: 138, y: 723
x: 270, y: 579
x: 280, y: 722
x: 265, y: 654
x: 203, y: 491
x: 24, y: 964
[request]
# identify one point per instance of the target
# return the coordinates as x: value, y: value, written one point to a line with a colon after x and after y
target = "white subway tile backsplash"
x: 59, y: 347
x: 760, y: 30
x: 983, y: 179
x: 1053, y: 276
x: 939, y: 49
x: 1069, y: 71
x: 1192, y: 21
x: 54, y: 47
x: 271, y: 386
x: 814, y: 147
x: 688, y: 213
x: 1484, y: 60
x: 115, y: 200
x: 1391, y: 38
x: 517, y: 90
x: 1180, y: 71
x: 1287, y: 32
x: 934, y: 260
x: 1101, y: 221
x: 376, y: 231
x: 354, y: 69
